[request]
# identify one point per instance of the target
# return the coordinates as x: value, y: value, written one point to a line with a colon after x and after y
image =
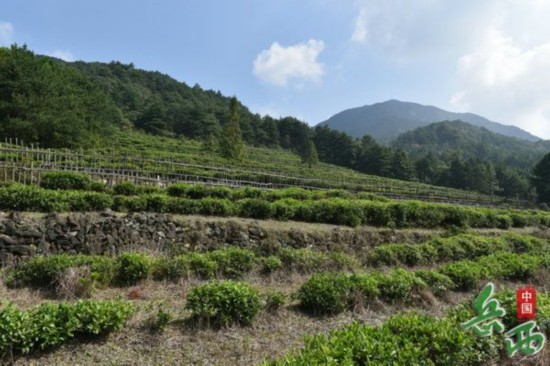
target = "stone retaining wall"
x: 107, y: 233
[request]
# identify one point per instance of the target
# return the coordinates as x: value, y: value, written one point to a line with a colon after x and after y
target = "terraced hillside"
x: 160, y: 161
x: 368, y: 280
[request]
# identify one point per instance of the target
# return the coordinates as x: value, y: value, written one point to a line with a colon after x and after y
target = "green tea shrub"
x: 222, y: 303
x: 130, y: 203
x: 303, y: 260
x: 51, y: 325
x: 399, y: 285
x: 367, y: 285
x: 126, y: 189
x: 247, y: 192
x: 336, y: 211
x: 465, y: 274
x: 43, y: 271
x: 255, y: 208
x: 326, y: 293
x: 285, y: 209
x: 233, y: 262
x: 270, y: 264
x: 177, y: 190
x: 130, y: 268
x: 192, y: 265
x: 274, y: 300
x: 156, y: 202
x: 20, y: 197
x: 216, y: 207
x: 89, y: 201
x: 405, y: 339
x: 376, y: 213
x: 438, y: 283
x: 184, y: 206
x: 65, y: 181
x: 510, y: 266
x: 96, y: 186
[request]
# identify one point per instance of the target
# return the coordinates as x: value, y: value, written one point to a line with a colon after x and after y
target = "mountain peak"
x: 386, y: 120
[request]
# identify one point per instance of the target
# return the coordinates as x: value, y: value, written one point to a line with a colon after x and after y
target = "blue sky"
x: 313, y: 58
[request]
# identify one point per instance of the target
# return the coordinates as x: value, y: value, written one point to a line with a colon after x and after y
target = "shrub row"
x: 338, y: 211
x: 130, y: 268
x: 454, y: 248
x: 467, y: 274
x: 412, y: 339
x: 31, y: 198
x: 50, y: 325
x: 331, y: 293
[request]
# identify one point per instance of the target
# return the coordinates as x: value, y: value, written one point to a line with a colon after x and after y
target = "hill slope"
x: 473, y: 142
x: 385, y: 121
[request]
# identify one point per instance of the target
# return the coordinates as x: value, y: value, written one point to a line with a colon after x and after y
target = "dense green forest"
x: 77, y: 105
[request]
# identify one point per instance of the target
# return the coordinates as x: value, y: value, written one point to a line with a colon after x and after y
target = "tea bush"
x: 233, y: 262
x: 51, y: 325
x: 222, y: 303
x: 464, y: 274
x: 126, y: 189
x: 44, y: 271
x: 405, y: 339
x: 326, y: 293
x: 438, y: 283
x: 130, y: 268
x: 65, y: 181
x: 399, y: 285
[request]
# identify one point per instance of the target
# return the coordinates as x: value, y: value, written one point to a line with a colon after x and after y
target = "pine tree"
x: 540, y: 179
x: 232, y: 146
x: 310, y: 154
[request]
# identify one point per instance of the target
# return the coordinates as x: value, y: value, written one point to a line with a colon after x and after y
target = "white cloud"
x: 64, y: 55
x: 6, y: 33
x: 509, y: 82
x: 280, y: 65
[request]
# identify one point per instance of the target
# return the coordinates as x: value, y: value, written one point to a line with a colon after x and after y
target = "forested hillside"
x: 448, y: 137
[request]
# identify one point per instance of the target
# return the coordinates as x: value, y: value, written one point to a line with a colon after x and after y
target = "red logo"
x: 526, y: 303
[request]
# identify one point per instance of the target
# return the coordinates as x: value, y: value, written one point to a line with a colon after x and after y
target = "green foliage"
x: 541, y: 179
x: 65, y: 181
x: 438, y: 282
x: 222, y: 303
x: 44, y: 271
x: 47, y: 102
x: 89, y: 201
x: 130, y: 268
x: 232, y: 146
x: 158, y: 321
x: 325, y: 293
x: 255, y: 208
x: 270, y: 264
x: 274, y: 300
x: 51, y: 325
x: 233, y: 262
x: 405, y: 339
x: 367, y: 285
x: 399, y: 285
x: 464, y: 274
x: 126, y: 189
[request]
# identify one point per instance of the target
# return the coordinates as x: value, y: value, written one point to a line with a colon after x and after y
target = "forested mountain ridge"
x: 448, y: 137
x: 387, y: 120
